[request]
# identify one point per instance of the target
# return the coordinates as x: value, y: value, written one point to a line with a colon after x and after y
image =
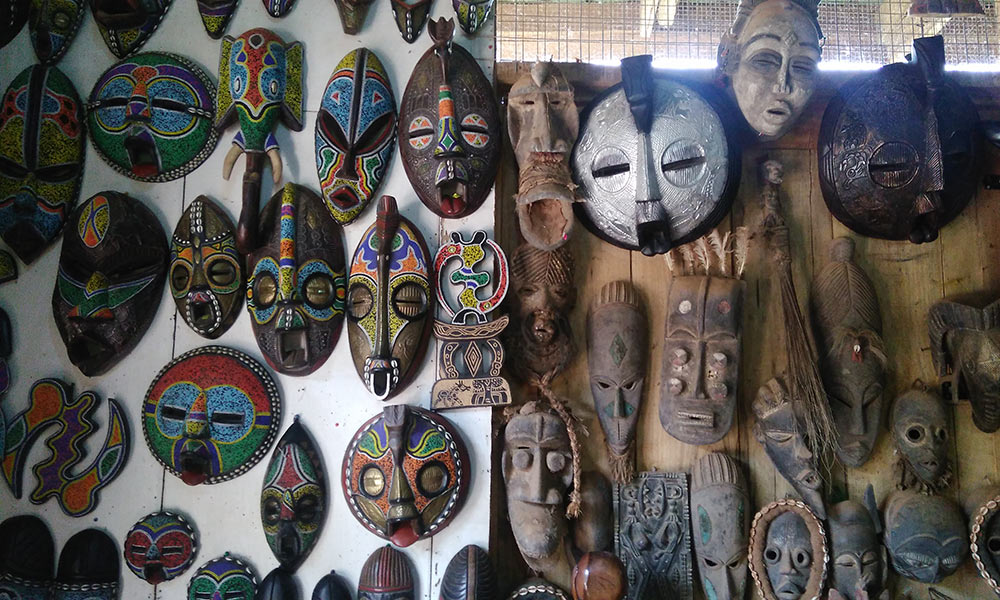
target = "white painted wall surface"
x: 332, y: 402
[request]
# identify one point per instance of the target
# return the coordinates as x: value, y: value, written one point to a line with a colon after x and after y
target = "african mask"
x: 538, y: 589
x: 260, y: 80
x: 965, y: 340
x: 88, y: 568
x: 355, y: 134
x: 224, y: 577
x: 925, y: 535
x: 859, y: 569
x: 160, y: 547
x: 211, y: 414
x: 931, y: 9
x: 617, y: 336
x: 352, y: 14
x: 331, y: 587
x: 410, y: 16
x: 386, y: 575
x: 472, y: 14
x: 41, y: 159
x: 206, y: 270
x: 52, y: 25
x: 388, y: 320
x: 293, y: 500
x: 900, y: 149
x: 279, y: 584
x: 150, y: 116
x: 919, y: 424
x: 449, y: 133
x: 278, y: 8
x: 984, y: 528
x: 654, y: 163
x: 720, y: 524
x: 295, y: 292
x: 27, y: 558
x: 6, y: 348
x: 215, y: 15
x: 848, y: 330
x: 125, y: 25
x: 469, y: 576
x: 13, y: 14
x: 111, y: 271
x: 599, y: 576
x: 788, y: 552
x: 780, y: 429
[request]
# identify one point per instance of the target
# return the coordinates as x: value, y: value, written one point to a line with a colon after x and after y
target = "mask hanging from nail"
x: 53, y: 24
x: 160, y: 547
x: 352, y: 14
x: 125, y: 25
x: 89, y: 568
x: 859, y: 569
x: 469, y: 576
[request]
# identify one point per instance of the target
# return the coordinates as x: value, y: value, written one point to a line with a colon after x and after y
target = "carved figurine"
x: 925, y: 535
x: 538, y: 589
x: 110, y: 280
x: 223, y: 577
x: 206, y: 271
x: 211, y: 414
x: 471, y: 354
x: 160, y: 547
x: 860, y: 568
x: 653, y: 536
x: 410, y: 16
x: 53, y: 26
x: 599, y: 576
x: 279, y: 584
x: 469, y: 576
x: 13, y: 14
x: 655, y: 162
x: 472, y: 14
x: 27, y: 558
x: 543, y: 125
x: 919, y: 424
x: 944, y: 9
x: 352, y: 14
x: 449, y: 134
x: 331, y: 587
x: 900, y: 150
x: 297, y: 284
x: 388, y: 304
x: 406, y: 474
x: 720, y: 525
x: 89, y: 567
x: 41, y: 157
x: 788, y: 552
x: 215, y: 15
x: 386, y: 575
x: 965, y: 341
x: 125, y: 26
x: 260, y: 79
x: 848, y: 328
x: 984, y: 529
x: 701, y: 358
x: 355, y: 134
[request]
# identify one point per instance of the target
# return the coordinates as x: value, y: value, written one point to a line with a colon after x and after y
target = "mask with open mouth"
x: 41, y: 159
x: 406, y: 474
x: 215, y: 15
x: 160, y: 547
x: 125, y: 25
x: 150, y: 116
x: 296, y: 289
x: 720, y: 523
x: 211, y: 414
x: 386, y: 575
x: 860, y: 570
x: 52, y: 25
x: 110, y: 280
x: 788, y: 552
x: 223, y: 577
x: 449, y: 134
x: 919, y: 425
x: 926, y: 535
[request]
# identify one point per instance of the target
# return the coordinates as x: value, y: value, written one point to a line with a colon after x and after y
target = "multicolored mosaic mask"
x: 215, y: 15
x: 226, y: 577
x: 206, y: 271
x: 278, y: 8
x: 41, y: 158
x: 355, y: 134
x: 125, y: 25
x: 27, y: 558
x: 160, y: 547
x: 296, y: 289
x: 352, y: 14
x: 110, y: 280
x: 386, y: 575
x: 293, y: 500
x: 406, y: 474
x: 13, y: 14
x: 389, y: 302
x: 52, y: 25
x: 925, y: 535
x: 410, y: 17
x: 472, y: 14
x: 260, y: 79
x: 211, y: 414
x: 449, y: 134
x: 150, y: 116
x: 720, y: 524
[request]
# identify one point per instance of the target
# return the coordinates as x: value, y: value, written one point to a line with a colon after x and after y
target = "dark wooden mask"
x: 859, y: 567
x: 125, y: 25
x: 982, y: 507
x: 386, y: 575
x: 720, y: 523
x: 469, y: 576
x: 925, y: 535
x: 788, y: 552
x: 918, y: 421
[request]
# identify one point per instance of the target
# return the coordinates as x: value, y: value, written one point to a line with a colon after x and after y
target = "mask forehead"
x: 227, y: 577
x: 52, y: 25
x: 125, y: 26
x: 386, y: 575
x: 215, y: 15
x: 160, y: 547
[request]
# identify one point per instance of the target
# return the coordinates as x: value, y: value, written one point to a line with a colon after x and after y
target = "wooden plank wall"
x: 907, y: 277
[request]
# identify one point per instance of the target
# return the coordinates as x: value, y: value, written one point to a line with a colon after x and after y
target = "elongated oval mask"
x: 386, y: 575
x: 788, y: 552
x: 857, y: 555
x: 125, y: 25
x: 720, y: 524
x: 53, y: 24
x: 224, y: 577
x: 160, y: 547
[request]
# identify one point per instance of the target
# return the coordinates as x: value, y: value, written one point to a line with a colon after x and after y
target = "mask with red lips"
x: 160, y: 547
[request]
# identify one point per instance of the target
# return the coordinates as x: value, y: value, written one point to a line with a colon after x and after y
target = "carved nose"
x: 24, y: 203
x: 619, y: 404
x: 802, y: 452
x: 196, y: 420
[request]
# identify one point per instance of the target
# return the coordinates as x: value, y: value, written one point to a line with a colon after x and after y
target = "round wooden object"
x: 599, y: 576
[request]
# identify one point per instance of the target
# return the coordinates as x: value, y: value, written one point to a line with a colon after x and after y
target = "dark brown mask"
x: 720, y: 523
x: 925, y: 535
x: 469, y: 576
x: 352, y: 14
x: 919, y: 424
x: 788, y: 552
x: 859, y: 570
x: 984, y: 528
x: 386, y: 575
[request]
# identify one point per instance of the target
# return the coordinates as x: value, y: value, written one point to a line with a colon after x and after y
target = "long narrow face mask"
x: 224, y: 577
x: 925, y: 535
x: 160, y: 547
x: 41, y: 158
x: 386, y: 575
x: 215, y: 15
x: 472, y: 14
x: 859, y: 570
x: 125, y: 25
x: 789, y: 554
x: 720, y: 523
x: 355, y: 134
x: 410, y: 17
x: 449, y: 133
x: 52, y: 25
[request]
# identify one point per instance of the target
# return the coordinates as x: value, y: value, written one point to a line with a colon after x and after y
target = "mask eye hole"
x: 683, y: 163
x: 410, y: 301
x: 307, y: 508
x: 771, y: 555
x: 710, y: 563
x: 432, y: 479
x: 610, y: 169
x: 319, y: 291
x: 941, y: 435
x: 180, y: 277
x: 522, y: 458
x: 915, y: 434
x: 993, y: 545
x: 173, y: 413
x: 265, y: 290
x: 766, y: 61
x: 372, y: 482
x: 893, y: 164
x: 361, y: 301
x: 221, y: 272
x: 12, y: 170
x: 271, y: 511
x: 802, y: 558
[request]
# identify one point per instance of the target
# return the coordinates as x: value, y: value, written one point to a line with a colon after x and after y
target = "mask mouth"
x: 779, y: 112
x: 194, y: 467
x: 43, y: 42
x: 119, y: 14
x: 344, y: 197
x: 142, y: 154
x: 88, y: 352
x: 809, y: 478
x: 201, y: 310
x: 404, y: 530
x: 451, y: 194
x: 293, y: 348
x: 929, y: 465
x: 153, y: 572
x: 789, y: 590
x: 288, y: 547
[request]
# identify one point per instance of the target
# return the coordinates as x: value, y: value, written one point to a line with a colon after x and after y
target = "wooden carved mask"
x: 279, y: 584
x: 386, y: 575
x: 331, y: 587
x: 925, y: 535
x: 52, y: 25
x: 89, y: 568
x: 469, y: 576
x: 352, y: 14
x: 720, y: 525
x: 919, y: 424
x: 160, y: 547
x: 27, y: 558
x: 788, y: 552
x: 125, y: 25
x: 984, y: 527
x: 860, y: 570
x: 215, y: 15
x: 224, y: 577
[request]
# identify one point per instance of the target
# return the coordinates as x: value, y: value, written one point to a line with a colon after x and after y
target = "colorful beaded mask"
x: 296, y: 289
x: 111, y: 272
x: 355, y: 134
x: 278, y: 8
x: 52, y: 25
x: 215, y: 15
x: 226, y: 577
x: 472, y: 14
x: 160, y: 547
x: 211, y: 414
x: 41, y: 158
x: 406, y: 474
x: 125, y: 25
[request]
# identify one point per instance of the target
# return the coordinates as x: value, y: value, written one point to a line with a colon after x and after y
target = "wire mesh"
x: 687, y: 32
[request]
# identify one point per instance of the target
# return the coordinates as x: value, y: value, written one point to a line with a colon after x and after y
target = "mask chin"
x: 153, y: 573
x: 88, y: 353
x: 194, y: 468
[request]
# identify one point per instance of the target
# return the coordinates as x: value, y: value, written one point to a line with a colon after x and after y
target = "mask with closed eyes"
x: 925, y: 535
x: 225, y: 577
x: 919, y: 424
x: 52, y: 25
x: 788, y: 552
x: 125, y: 25
x: 160, y: 547
x: 215, y: 15
x: 859, y: 570
x: 720, y: 524
x: 984, y: 527
x: 386, y: 575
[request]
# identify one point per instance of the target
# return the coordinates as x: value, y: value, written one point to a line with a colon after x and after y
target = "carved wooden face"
x: 52, y: 25
x: 469, y: 576
x: 541, y: 115
x: 215, y: 15
x: 925, y: 536
x: 856, y: 550
x: 720, y: 524
x: 224, y: 577
x: 788, y: 556
x: 919, y: 423
x: 985, y: 535
x: 544, y: 295
x: 386, y: 575
x: 125, y: 25
x: 160, y: 547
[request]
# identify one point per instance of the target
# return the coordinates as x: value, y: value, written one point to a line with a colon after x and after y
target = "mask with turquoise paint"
x: 52, y: 25
x: 125, y: 25
x: 720, y: 524
x: 224, y: 577
x: 472, y: 14
x: 110, y: 279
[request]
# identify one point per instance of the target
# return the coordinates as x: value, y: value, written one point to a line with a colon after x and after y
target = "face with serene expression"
x: 788, y: 556
x: 858, y: 556
x: 720, y: 523
x: 925, y: 535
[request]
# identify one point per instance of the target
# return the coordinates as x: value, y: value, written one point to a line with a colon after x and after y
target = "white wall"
x: 332, y: 401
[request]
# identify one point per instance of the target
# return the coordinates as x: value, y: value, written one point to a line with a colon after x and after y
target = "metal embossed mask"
x: 859, y: 570
x: 160, y: 547
x: 110, y: 280
x: 215, y: 15
x: 449, y: 134
x: 355, y: 134
x: 925, y: 535
x: 720, y: 525
x: 788, y: 552
x: 919, y: 424
x: 226, y: 577
x: 386, y: 575
x: 406, y: 474
x: 41, y: 158
x: 150, y: 116
x: 472, y: 14
x: 52, y: 25
x: 296, y: 289
x: 900, y: 149
x: 125, y: 25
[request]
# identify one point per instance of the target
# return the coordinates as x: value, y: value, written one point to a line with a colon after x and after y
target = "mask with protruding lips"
x: 160, y: 547
x: 125, y: 25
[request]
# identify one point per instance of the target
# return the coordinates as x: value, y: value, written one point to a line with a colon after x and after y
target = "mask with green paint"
x: 720, y: 524
x: 224, y: 577
x: 52, y: 25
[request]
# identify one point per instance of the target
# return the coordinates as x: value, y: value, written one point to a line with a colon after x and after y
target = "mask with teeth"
x: 449, y: 133
x: 925, y: 535
x: 296, y: 289
x: 982, y: 507
x: 150, y: 116
x: 919, y: 424
x: 52, y: 25
x: 160, y: 547
x: 125, y: 25
x: 900, y: 149
x: 225, y: 577
x: 215, y: 15
x: 859, y: 570
x: 386, y: 575
x: 720, y: 524
x: 108, y: 287
x: 788, y: 552
x: 211, y: 414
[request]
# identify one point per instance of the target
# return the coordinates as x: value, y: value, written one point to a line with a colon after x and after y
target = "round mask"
x: 925, y: 535
x: 211, y: 414
x: 225, y: 577
x: 406, y: 474
x: 160, y: 547
x: 150, y: 116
